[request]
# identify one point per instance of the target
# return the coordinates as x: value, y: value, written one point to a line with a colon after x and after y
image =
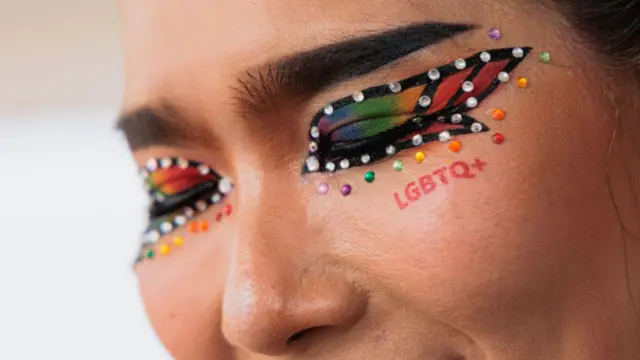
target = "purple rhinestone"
x: 323, y: 189
x: 346, y: 190
x: 495, y: 34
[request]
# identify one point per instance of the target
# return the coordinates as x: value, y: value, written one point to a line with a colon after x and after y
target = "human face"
x: 487, y: 265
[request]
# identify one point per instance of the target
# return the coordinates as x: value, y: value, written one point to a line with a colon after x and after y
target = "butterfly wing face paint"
x: 432, y: 106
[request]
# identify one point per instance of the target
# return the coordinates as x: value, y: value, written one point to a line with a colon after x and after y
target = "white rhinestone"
x: 485, y: 57
x: 456, y: 118
x: 358, y: 96
x: 315, y: 133
x: 366, y: 158
x: 476, y: 127
x: 417, y: 140
x: 152, y: 165
x: 467, y: 86
x: 444, y: 136
x: 225, y: 185
x: 189, y: 212
x: 503, y: 77
x: 216, y: 198
x: 204, y: 169
x: 330, y: 167
x: 344, y: 164
x: 152, y: 236
x: 328, y: 110
x: 180, y: 220
x: 472, y: 102
x: 395, y: 87
x: 183, y: 164
x: 460, y: 64
x: 313, y: 164
x: 313, y: 147
x: 160, y: 197
x: 166, y: 227
x: 165, y: 163
x: 390, y: 150
x: 201, y: 205
x: 434, y: 74
x: 518, y: 53
x: 424, y: 101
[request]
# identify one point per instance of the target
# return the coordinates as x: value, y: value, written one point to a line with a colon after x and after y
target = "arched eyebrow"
x: 263, y: 89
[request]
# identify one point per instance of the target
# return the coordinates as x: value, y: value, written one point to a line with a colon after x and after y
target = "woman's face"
x: 490, y: 252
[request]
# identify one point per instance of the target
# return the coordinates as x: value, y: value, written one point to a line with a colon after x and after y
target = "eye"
x: 380, y: 121
x: 179, y: 189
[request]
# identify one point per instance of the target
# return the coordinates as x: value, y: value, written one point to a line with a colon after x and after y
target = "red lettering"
x: 442, y: 173
x: 461, y: 170
x: 479, y: 164
x: 412, y: 192
x: 399, y: 202
x: 427, y: 184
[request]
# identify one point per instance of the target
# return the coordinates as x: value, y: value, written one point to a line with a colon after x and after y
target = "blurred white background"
x: 71, y: 205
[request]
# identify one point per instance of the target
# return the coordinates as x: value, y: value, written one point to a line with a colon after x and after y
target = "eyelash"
x: 383, y: 131
x: 179, y: 189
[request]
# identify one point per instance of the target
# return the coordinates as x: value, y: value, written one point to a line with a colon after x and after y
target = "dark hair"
x: 613, y: 26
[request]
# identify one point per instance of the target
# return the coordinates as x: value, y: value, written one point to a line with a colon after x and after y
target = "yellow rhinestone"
x: 420, y: 156
x: 178, y: 241
x: 164, y: 249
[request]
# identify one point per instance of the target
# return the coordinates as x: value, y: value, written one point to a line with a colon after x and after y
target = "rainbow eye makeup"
x: 180, y: 189
x: 380, y: 121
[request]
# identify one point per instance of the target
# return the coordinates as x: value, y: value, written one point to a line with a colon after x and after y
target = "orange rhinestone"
x: 522, y: 82
x: 192, y: 227
x: 420, y: 156
x: 498, y: 114
x: 178, y: 241
x: 164, y: 249
x: 455, y: 146
x: 203, y: 225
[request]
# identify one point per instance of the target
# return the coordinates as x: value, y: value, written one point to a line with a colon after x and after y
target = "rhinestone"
x: 417, y: 140
x: 166, y: 163
x: 344, y: 164
x: 398, y: 165
x: 152, y: 236
x: 456, y: 118
x: 225, y: 185
x: 434, y: 74
x: 444, y: 136
x: 204, y: 169
x: 424, y: 101
x: 182, y: 163
x: 518, y: 53
x: 365, y: 159
x: 441, y: 119
x: 390, y: 150
x: 476, y: 127
x: 395, y: 87
x: 189, y: 212
x: 358, y: 96
x: 522, y: 82
x: 313, y: 147
x: 166, y: 227
x: 315, y: 133
x: 323, y: 189
x: 472, y: 102
x: 216, y: 198
x: 180, y: 220
x: 160, y: 197
x: 497, y: 138
x: 455, y: 146
x: 313, y: 164
x: 545, y: 57
x: 201, y: 205
x: 417, y: 120
x: 346, y: 190
x: 328, y: 110
x: 503, y: 77
x: 485, y: 57
x: 420, y: 156
x: 152, y: 165
x: 467, y: 86
x: 460, y: 64
x: 495, y: 34
x: 370, y: 177
x: 330, y: 167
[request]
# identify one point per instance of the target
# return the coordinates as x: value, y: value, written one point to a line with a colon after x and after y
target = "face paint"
x: 179, y: 190
x: 380, y: 121
x: 428, y: 183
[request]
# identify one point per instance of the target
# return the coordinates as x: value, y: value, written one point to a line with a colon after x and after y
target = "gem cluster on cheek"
x: 181, y: 191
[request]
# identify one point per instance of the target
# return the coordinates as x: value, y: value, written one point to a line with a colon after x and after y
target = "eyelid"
x: 445, y: 101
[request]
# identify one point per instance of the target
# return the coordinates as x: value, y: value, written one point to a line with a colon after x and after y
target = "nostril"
x: 302, y: 334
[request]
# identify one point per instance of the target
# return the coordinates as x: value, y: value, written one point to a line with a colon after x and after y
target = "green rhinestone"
x: 545, y: 57
x: 398, y: 165
x: 150, y: 254
x: 370, y: 176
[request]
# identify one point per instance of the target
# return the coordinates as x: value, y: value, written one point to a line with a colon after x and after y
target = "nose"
x: 283, y: 291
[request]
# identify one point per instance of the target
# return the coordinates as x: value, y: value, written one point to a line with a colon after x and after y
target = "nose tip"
x: 274, y: 321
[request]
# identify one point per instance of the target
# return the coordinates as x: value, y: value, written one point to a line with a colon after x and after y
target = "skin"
x: 533, y: 259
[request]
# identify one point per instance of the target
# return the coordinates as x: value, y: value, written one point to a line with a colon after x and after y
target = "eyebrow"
x: 297, y: 77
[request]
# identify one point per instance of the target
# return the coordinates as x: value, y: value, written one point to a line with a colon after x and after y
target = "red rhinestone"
x: 227, y: 210
x: 497, y: 138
